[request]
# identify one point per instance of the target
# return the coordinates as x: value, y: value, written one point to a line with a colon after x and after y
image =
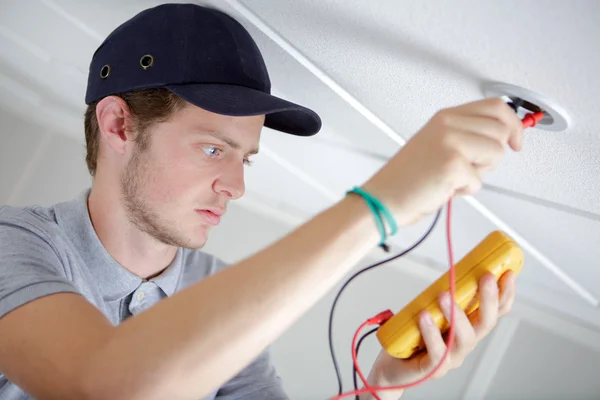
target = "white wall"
x: 533, y: 354
x: 38, y: 165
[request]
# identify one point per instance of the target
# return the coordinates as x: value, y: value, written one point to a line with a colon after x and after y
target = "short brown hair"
x: 147, y: 107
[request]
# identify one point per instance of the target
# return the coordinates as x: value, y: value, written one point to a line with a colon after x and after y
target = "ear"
x: 113, y: 116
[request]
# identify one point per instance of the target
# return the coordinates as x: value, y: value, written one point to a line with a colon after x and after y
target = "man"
x: 108, y: 296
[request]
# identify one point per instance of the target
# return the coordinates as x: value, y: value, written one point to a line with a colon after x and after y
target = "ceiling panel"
x: 96, y: 18
x: 50, y: 118
x: 539, y: 365
x: 332, y: 166
x: 242, y: 232
x: 38, y: 24
x: 271, y: 180
x: 40, y: 81
x: 46, y: 52
x: 571, y: 241
x: 404, y: 60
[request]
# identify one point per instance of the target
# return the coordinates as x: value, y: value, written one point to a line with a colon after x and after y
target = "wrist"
x: 362, y: 218
x: 381, y: 216
x: 376, y: 378
x: 403, y: 214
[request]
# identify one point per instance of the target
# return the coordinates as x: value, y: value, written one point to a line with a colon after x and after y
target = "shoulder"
x: 33, y: 214
x: 32, y: 235
x: 31, y: 265
x: 57, y: 224
x: 38, y: 231
x: 16, y: 222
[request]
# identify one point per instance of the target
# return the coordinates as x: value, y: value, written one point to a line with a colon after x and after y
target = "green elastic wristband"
x: 378, y: 221
x: 376, y: 208
x: 383, y: 209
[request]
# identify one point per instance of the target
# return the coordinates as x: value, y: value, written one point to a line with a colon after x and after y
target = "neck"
x: 133, y: 249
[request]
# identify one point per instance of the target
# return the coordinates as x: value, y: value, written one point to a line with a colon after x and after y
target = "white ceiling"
x: 402, y: 61
x: 406, y: 59
x: 397, y: 64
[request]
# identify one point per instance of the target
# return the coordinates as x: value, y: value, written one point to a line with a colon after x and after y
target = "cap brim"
x: 280, y: 114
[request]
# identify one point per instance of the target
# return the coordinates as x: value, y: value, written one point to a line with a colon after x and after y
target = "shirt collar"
x: 115, y: 281
x: 168, y: 280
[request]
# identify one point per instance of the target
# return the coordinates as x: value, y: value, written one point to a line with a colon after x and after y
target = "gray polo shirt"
x: 45, y: 250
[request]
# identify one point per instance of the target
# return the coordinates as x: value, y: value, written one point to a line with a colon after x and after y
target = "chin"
x: 193, y: 239
x: 198, y: 238
x: 196, y: 246
x: 193, y: 243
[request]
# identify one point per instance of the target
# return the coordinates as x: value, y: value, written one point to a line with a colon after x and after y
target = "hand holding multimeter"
x: 484, y: 284
x: 496, y: 254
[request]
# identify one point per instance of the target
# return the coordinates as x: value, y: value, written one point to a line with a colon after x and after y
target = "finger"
x: 471, y: 180
x: 482, y: 126
x: 480, y: 149
x: 507, y: 286
x: 464, y: 333
x: 488, y: 306
x: 434, y: 343
x: 497, y: 109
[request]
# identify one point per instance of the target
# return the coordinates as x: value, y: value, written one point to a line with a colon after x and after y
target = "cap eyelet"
x: 147, y: 61
x: 105, y: 71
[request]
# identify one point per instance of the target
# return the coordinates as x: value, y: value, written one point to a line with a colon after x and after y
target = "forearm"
x: 188, y: 345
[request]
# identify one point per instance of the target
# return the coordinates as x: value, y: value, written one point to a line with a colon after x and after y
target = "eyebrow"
x: 230, y: 142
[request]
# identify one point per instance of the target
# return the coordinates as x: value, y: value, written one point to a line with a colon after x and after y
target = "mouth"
x: 211, y: 216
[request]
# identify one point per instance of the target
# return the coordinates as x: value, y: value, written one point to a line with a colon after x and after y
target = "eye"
x: 212, y: 151
x: 248, y: 162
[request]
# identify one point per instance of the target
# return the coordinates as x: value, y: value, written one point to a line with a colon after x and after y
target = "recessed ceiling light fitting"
x: 556, y: 118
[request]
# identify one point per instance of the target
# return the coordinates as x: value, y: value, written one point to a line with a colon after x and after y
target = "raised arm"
x: 185, y: 347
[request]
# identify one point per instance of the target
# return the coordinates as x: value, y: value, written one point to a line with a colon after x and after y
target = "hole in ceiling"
x: 556, y: 118
x: 524, y: 107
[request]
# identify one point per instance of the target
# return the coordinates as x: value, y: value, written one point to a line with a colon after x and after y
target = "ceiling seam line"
x: 304, y: 177
x: 549, y: 264
x: 51, y: 4
x: 371, y: 117
x: 24, y: 43
x: 370, y: 155
x: 542, y: 202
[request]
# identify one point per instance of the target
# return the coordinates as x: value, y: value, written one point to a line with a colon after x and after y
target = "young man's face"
x: 193, y: 166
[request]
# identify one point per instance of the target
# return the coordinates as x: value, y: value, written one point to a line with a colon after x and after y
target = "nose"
x: 230, y: 182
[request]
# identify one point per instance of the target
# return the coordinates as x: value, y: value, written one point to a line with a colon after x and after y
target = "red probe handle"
x: 531, y: 120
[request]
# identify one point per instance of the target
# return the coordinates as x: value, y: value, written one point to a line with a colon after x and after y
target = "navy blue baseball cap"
x: 200, y: 54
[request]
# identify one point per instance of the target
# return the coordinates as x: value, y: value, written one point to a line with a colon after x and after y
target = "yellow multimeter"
x: 496, y: 254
